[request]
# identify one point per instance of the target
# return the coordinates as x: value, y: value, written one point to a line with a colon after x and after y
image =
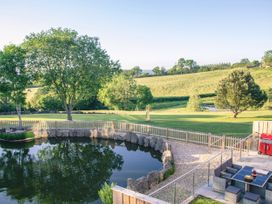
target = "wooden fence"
x: 208, y: 139
x: 125, y: 196
x: 262, y: 127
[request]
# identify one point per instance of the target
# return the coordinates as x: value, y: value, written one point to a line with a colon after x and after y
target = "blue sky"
x: 151, y: 32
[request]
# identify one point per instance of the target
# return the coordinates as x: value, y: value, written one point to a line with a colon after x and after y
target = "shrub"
x: 169, y: 171
x: 144, y: 96
x: 194, y: 103
x: 16, y: 136
x: 105, y: 193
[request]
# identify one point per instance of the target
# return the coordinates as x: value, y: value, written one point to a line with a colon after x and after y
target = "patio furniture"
x: 268, y: 193
x: 232, y: 194
x: 251, y: 198
x: 223, y: 174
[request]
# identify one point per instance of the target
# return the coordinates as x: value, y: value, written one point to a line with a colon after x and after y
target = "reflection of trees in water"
x: 65, y: 172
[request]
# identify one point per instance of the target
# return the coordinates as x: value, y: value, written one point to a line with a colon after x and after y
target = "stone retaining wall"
x: 141, y: 184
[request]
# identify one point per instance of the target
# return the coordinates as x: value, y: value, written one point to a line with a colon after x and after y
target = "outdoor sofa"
x: 223, y: 174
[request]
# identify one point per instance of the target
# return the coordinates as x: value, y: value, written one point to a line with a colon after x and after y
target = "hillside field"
x: 203, y: 82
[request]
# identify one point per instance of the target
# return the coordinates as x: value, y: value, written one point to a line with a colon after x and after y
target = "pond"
x: 69, y: 170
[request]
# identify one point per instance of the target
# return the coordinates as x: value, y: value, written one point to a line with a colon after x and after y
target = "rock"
x: 159, y: 145
x: 140, y: 185
x: 94, y: 133
x: 166, y: 156
x: 131, y: 137
x: 146, y: 141
x: 117, y: 137
x: 153, y: 178
x: 127, y: 137
x: 153, y: 142
x: 141, y: 139
x: 134, y: 138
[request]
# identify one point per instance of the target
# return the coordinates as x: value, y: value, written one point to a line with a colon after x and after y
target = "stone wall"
x: 141, y: 184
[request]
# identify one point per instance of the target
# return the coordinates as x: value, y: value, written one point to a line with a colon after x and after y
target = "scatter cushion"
x: 233, y: 189
x: 251, y: 196
x: 232, y: 170
x: 269, y: 186
x: 236, y: 166
x: 226, y: 175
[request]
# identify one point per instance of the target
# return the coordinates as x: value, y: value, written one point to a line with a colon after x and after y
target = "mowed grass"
x: 203, y: 82
x: 219, y: 123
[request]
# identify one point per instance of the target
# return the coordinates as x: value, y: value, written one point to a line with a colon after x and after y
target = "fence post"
x: 240, y: 150
x: 187, y: 136
x: 223, y: 142
x: 209, y: 141
x: 167, y: 132
x: 175, y: 193
x: 193, y: 184
x: 209, y: 166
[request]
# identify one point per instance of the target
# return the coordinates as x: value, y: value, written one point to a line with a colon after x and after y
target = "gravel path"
x: 186, y: 157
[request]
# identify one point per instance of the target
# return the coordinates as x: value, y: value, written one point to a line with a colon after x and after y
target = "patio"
x: 231, y: 188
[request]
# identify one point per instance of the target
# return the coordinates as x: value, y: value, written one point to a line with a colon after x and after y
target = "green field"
x: 203, y: 82
x: 219, y: 123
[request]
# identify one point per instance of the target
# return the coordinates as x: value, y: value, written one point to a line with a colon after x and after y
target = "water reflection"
x: 67, y: 171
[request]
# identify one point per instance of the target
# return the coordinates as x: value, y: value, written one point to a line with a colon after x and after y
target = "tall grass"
x: 203, y: 82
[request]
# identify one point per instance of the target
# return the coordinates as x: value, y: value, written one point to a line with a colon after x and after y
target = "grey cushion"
x: 232, y: 170
x: 233, y: 189
x: 226, y: 175
x: 236, y: 166
x: 252, y: 196
x: 269, y: 186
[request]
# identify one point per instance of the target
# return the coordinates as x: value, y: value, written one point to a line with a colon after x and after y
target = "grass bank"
x: 203, y: 82
x: 219, y: 123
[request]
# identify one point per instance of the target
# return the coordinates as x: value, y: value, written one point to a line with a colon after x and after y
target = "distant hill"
x: 203, y: 82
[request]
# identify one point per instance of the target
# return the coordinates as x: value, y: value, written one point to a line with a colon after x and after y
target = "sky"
x: 149, y: 33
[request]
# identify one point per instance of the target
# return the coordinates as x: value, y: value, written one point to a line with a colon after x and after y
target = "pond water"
x: 70, y: 170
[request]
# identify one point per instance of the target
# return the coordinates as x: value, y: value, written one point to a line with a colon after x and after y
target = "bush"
x: 169, y: 171
x: 194, y: 103
x: 16, y: 136
x: 144, y: 96
x: 105, y: 193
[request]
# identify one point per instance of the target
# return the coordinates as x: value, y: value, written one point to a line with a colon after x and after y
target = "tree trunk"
x: 235, y: 115
x: 19, y: 113
x: 69, y: 112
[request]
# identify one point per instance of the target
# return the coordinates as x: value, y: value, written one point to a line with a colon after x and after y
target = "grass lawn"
x: 219, y: 123
x: 203, y: 200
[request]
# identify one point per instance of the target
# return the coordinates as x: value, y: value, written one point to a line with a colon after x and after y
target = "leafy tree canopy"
x: 238, y: 92
x: 14, y: 76
x: 73, y: 66
x: 267, y: 59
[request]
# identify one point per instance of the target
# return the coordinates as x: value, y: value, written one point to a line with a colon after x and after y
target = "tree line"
x: 186, y: 66
x: 71, y: 69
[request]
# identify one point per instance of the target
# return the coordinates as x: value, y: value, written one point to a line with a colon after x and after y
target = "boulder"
x: 159, y: 145
x: 153, y: 178
x: 131, y: 137
x: 146, y: 141
x: 140, y: 185
x: 166, y: 156
x: 153, y: 142
x: 117, y: 137
x: 134, y: 138
x: 141, y: 139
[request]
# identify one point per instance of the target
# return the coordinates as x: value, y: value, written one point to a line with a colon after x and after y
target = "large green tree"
x: 14, y: 76
x: 73, y: 66
x: 120, y: 93
x: 267, y: 59
x: 238, y: 92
